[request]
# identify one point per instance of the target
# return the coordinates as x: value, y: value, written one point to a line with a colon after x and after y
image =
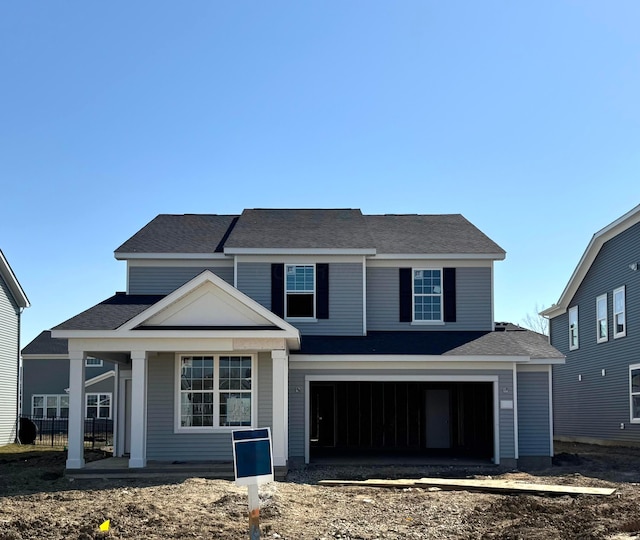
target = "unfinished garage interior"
x: 401, y: 418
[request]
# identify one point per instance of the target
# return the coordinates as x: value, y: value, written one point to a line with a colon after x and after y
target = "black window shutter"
x: 449, y: 294
x: 406, y: 293
x: 277, y: 289
x: 322, y: 291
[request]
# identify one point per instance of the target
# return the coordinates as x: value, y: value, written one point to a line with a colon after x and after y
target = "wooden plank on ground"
x: 489, y: 486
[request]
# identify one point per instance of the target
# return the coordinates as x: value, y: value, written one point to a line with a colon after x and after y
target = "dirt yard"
x: 37, y: 501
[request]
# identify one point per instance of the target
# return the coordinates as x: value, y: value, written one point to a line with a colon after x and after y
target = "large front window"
x: 50, y: 406
x: 634, y: 381
x: 215, y: 391
x: 427, y: 295
x: 300, y: 291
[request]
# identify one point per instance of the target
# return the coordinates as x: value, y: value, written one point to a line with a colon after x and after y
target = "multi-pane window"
x: 50, y: 406
x: 300, y: 290
x: 634, y: 382
x: 215, y: 391
x: 427, y: 295
x: 619, y: 317
x: 573, y: 328
x: 90, y: 361
x: 235, y: 391
x: 98, y: 405
x: 602, y: 324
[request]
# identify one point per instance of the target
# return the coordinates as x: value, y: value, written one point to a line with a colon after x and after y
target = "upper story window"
x: 427, y: 294
x: 573, y: 328
x: 214, y: 392
x: 634, y: 387
x: 90, y: 361
x: 619, y: 316
x: 602, y: 324
x: 300, y: 291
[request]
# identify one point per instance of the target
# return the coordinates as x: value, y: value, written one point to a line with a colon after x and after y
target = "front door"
x: 323, y: 415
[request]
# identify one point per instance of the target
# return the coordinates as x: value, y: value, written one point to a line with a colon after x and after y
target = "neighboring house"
x: 346, y: 334
x: 12, y: 301
x: 596, y: 324
x: 45, y: 381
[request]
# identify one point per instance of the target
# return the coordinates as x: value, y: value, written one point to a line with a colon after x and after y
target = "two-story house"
x: 346, y: 334
x: 596, y: 324
x: 12, y: 301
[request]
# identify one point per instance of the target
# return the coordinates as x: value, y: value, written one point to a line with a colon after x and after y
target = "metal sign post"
x: 253, y: 465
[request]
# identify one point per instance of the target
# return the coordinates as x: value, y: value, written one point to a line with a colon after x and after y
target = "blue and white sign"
x: 252, y: 456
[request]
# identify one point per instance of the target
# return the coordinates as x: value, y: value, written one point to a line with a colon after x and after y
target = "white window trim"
x: 313, y: 318
x: 86, y: 405
x: 616, y: 334
x: 439, y: 321
x: 632, y: 420
x: 178, y: 428
x: 605, y: 319
x: 88, y: 362
x: 573, y: 347
x: 44, y: 407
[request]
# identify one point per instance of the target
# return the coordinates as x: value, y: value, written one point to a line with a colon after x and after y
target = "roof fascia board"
x: 161, y: 334
x: 453, y: 256
x: 175, y: 261
x: 98, y: 378
x: 336, y: 364
x: 130, y: 256
x: 12, y: 282
x: 44, y: 356
x: 375, y: 262
x: 299, y: 251
x: 590, y: 253
x: 395, y: 358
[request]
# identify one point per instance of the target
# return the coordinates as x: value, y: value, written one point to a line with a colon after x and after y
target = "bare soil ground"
x: 38, y: 501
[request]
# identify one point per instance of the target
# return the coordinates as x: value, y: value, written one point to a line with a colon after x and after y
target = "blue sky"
x: 522, y: 116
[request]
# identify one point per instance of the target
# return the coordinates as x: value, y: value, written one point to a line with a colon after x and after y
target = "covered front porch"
x: 191, y: 367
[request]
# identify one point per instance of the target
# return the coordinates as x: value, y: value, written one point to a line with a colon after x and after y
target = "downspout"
x: 19, y: 381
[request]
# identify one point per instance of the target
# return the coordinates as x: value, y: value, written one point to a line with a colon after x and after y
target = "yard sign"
x: 253, y: 465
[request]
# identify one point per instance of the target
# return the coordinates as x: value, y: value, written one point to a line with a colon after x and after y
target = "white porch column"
x: 75, y: 443
x: 280, y: 430
x: 138, y: 457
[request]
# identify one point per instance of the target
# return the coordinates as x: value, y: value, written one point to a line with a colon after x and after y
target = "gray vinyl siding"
x: 165, y: 445
x: 596, y: 406
x: 297, y: 401
x: 473, y: 301
x: 164, y: 280
x: 9, y: 322
x: 345, y: 297
x: 51, y: 376
x: 534, y: 434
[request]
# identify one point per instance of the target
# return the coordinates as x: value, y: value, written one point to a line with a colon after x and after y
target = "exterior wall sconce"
x: 634, y: 266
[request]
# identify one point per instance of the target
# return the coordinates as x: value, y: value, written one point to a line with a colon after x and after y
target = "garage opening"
x: 443, y: 419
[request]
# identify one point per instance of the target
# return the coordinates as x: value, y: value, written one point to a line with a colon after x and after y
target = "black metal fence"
x: 98, y: 432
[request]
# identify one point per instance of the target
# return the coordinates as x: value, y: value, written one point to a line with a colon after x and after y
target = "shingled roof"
x: 300, y: 229
x: 112, y: 313
x: 44, y: 344
x: 512, y: 341
x: 188, y: 233
x: 310, y: 229
x: 434, y: 234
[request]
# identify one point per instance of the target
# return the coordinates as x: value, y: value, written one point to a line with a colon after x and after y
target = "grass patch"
x: 31, y: 449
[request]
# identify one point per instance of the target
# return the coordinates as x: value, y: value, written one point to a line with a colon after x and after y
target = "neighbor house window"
x: 92, y: 362
x: 634, y: 384
x: 300, y: 291
x: 98, y: 405
x: 427, y: 294
x: 602, y: 325
x: 619, y: 317
x: 50, y: 406
x: 573, y: 328
x: 215, y: 391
